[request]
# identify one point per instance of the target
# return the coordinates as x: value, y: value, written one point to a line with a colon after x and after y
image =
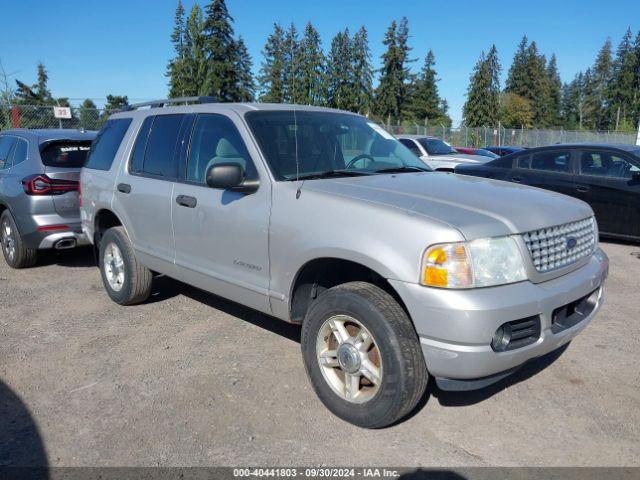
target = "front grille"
x: 560, y: 246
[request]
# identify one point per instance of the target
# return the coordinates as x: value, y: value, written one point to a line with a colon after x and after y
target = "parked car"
x: 438, y: 154
x: 607, y: 177
x: 39, y: 173
x: 320, y: 217
x: 504, y: 150
x: 476, y: 151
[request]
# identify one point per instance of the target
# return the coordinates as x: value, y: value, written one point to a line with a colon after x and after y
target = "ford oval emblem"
x: 571, y: 242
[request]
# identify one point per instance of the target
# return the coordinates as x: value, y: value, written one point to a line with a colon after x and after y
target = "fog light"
x: 501, y: 338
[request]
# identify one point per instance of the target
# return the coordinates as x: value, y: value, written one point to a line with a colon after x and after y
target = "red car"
x: 476, y: 151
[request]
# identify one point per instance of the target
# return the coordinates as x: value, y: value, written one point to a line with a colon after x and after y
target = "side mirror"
x: 229, y: 176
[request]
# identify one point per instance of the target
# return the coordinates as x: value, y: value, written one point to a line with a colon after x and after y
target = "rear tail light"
x: 43, y: 185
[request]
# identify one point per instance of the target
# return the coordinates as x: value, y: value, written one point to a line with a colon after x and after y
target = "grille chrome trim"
x: 561, y: 246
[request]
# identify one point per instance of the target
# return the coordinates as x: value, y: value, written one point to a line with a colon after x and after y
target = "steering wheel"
x: 360, y: 157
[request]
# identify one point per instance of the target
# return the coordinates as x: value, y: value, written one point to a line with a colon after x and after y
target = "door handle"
x: 186, y: 201
x: 582, y: 189
x: 124, y: 188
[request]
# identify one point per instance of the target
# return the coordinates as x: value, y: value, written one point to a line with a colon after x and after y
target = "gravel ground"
x: 191, y: 379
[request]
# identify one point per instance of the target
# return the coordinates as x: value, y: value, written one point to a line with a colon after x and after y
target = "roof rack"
x: 168, y: 101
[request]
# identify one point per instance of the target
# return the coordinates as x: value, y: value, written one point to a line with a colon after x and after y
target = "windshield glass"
x: 65, y: 154
x: 435, y: 146
x: 326, y: 142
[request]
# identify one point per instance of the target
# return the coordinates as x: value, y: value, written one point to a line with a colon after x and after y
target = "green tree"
x: 222, y: 78
x: 246, y: 86
x: 515, y: 111
x: 597, y: 88
x: 424, y: 101
x: 573, y: 103
x: 195, y: 55
x: 483, y: 94
x: 271, y: 78
x: 625, y: 71
x: 291, y: 68
x: 176, y: 67
x: 391, y: 94
x: 554, y: 93
x: 115, y: 102
x: 517, y: 81
x: 340, y: 88
x: 362, y: 72
x: 89, y: 115
x: 312, y: 68
x: 36, y: 94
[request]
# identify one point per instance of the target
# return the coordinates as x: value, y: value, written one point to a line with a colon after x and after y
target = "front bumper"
x: 456, y: 326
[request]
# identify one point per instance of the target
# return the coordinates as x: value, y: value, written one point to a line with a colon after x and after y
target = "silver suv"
x: 320, y: 217
x: 39, y: 173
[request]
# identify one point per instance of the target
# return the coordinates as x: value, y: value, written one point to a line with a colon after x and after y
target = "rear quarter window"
x: 65, y: 154
x: 106, y: 144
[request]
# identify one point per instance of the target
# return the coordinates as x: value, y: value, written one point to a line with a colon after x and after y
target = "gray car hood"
x: 477, y: 207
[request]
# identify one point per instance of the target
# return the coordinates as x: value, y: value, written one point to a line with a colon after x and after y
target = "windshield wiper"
x: 330, y: 174
x: 404, y: 168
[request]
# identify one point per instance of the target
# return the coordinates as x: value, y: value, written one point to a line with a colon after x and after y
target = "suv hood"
x: 477, y: 207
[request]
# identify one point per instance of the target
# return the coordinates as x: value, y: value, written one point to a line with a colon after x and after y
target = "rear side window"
x: 5, y: 148
x: 159, y: 156
x: 554, y: 161
x: 137, y: 156
x: 65, y: 154
x: 19, y: 152
x: 105, y: 146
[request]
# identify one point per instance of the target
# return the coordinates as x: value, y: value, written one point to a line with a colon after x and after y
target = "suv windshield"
x: 65, y: 154
x: 312, y: 144
x: 434, y: 146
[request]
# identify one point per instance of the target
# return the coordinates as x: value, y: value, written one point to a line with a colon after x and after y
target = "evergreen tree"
x: 246, y: 87
x: 483, y: 95
x: 340, y: 88
x: 572, y: 107
x: 222, y: 78
x: 362, y: 72
x: 115, y: 102
x: 36, y: 94
x: 635, y: 99
x: 271, y: 77
x: 517, y: 81
x: 597, y: 88
x: 195, y: 55
x: 621, y: 89
x: 176, y: 66
x: 291, y: 68
x: 89, y: 115
x: 312, y: 68
x: 425, y: 102
x: 391, y: 94
x: 554, y: 93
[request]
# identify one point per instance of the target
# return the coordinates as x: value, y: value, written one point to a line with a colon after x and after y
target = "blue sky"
x: 92, y: 48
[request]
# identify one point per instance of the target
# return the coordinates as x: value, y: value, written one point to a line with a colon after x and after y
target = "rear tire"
x: 362, y: 355
x: 127, y: 281
x: 16, y: 253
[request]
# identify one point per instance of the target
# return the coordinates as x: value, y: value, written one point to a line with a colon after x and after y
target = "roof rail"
x: 168, y: 101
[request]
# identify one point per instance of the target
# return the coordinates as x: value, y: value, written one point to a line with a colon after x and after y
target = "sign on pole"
x: 62, y: 112
x: 638, y: 137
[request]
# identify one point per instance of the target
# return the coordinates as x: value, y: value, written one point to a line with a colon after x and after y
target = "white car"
x: 438, y: 154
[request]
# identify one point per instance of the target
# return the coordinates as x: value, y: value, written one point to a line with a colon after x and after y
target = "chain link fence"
x: 484, y: 136
x: 39, y: 116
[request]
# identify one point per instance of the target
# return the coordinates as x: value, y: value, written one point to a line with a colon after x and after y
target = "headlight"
x: 480, y: 263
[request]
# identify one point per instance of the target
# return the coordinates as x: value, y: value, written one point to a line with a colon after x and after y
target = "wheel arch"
x: 322, y: 273
x: 104, y: 219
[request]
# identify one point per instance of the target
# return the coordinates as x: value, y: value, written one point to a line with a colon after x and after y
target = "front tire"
x: 16, y: 253
x: 362, y: 355
x: 127, y: 282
